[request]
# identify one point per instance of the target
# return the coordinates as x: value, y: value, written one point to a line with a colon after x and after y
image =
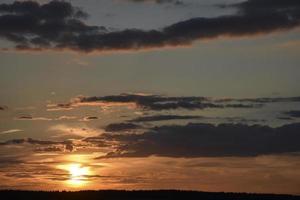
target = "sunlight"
x: 78, y: 174
x: 77, y: 171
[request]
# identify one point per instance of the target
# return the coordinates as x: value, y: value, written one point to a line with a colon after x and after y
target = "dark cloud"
x: 29, y: 141
x: 174, y: 2
x: 49, y: 149
x: 25, y: 117
x: 285, y: 118
x: 239, y: 105
x: 293, y: 113
x: 99, y: 141
x: 69, y: 146
x: 42, y: 145
x: 273, y: 100
x: 206, y: 140
x: 262, y: 100
x: 159, y: 103
x: 121, y: 127
x: 241, y: 120
x: 42, y: 142
x: 164, y: 117
x: 3, y: 108
x: 30, y: 118
x: 59, y: 25
x: 91, y: 118
x: 156, y: 102
x: 33, y: 25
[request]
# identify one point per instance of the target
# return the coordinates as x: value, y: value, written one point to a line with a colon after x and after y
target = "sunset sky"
x: 150, y: 94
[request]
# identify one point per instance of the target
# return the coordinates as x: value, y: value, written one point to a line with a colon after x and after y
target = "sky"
x: 150, y: 94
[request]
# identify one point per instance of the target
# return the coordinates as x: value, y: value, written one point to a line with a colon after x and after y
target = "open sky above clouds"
x: 150, y: 94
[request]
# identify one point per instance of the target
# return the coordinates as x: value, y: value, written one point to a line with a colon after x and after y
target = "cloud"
x: 64, y: 117
x: 207, y: 140
x: 116, y: 127
x: 3, y: 108
x: 42, y: 145
x: 262, y: 100
x: 11, y: 131
x: 152, y: 102
x: 174, y: 2
x: 164, y: 118
x: 58, y: 25
x: 9, y: 160
x: 59, y: 107
x: 29, y: 141
x: 293, y: 113
x: 188, y: 117
x: 285, y: 118
x: 89, y: 118
x: 30, y: 118
x: 65, y: 130
x: 30, y: 23
x: 49, y: 149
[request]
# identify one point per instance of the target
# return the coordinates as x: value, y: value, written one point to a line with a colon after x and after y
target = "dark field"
x: 139, y: 195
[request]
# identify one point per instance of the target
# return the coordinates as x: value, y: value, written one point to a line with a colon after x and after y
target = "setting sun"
x: 78, y: 174
x: 77, y: 171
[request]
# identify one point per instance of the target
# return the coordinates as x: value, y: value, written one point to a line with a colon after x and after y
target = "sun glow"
x: 78, y: 174
x: 77, y: 171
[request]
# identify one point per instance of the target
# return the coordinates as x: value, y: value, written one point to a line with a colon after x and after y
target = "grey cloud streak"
x: 59, y: 25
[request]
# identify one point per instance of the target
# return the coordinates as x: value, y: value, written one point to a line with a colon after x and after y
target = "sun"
x: 77, y: 171
x: 78, y: 174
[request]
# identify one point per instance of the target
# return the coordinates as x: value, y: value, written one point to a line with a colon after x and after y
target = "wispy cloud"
x: 59, y: 107
x: 11, y: 131
x: 30, y: 118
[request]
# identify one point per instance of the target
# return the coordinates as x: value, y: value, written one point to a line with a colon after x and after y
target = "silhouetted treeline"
x: 138, y: 195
